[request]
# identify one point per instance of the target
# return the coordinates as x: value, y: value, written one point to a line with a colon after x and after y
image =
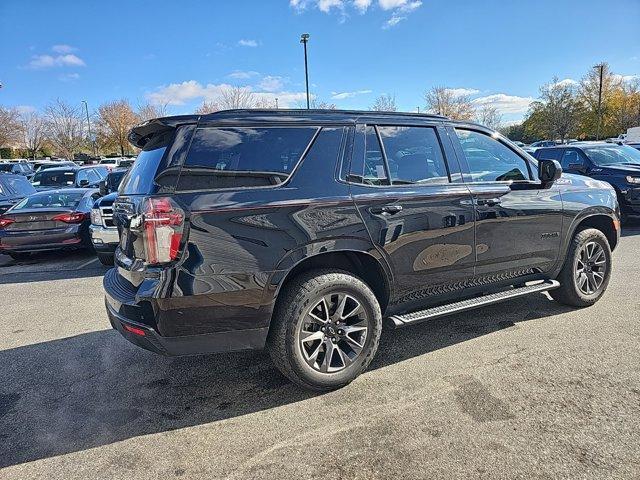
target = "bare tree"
x: 9, y: 126
x: 207, y: 107
x: 445, y: 101
x: 33, y: 132
x: 147, y: 111
x: 489, y: 116
x: 64, y: 127
x: 236, y: 97
x: 115, y: 119
x: 385, y: 103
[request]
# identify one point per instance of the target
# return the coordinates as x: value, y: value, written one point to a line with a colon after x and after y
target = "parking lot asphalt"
x: 524, y: 389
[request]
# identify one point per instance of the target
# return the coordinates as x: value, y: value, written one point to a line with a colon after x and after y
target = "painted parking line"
x: 87, y: 263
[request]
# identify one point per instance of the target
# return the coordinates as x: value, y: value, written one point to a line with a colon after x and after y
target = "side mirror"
x: 578, y: 167
x: 84, y: 183
x: 549, y: 171
x: 102, y: 186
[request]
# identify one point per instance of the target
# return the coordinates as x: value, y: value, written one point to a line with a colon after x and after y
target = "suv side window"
x: 547, y: 154
x: 375, y: 172
x: 489, y: 160
x: 81, y: 176
x: 413, y: 155
x: 570, y: 157
x: 228, y: 157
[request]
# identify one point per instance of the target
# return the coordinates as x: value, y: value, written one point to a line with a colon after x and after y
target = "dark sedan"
x: 48, y: 221
x: 68, y: 177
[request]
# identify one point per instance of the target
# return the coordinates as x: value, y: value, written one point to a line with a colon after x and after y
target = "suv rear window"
x: 228, y: 157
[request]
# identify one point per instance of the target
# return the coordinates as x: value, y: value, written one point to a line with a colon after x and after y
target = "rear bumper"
x: 53, y: 239
x: 134, y: 318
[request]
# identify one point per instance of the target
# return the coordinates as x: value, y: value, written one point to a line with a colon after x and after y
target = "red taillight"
x: 73, y: 217
x: 163, y: 226
x: 5, y: 222
x: 134, y: 330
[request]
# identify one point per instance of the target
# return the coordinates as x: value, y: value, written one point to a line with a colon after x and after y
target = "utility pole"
x: 601, y: 74
x: 304, y: 38
x: 86, y: 109
x: 276, y: 103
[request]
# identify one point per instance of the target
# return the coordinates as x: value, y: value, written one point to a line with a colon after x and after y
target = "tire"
x: 300, y: 312
x: 17, y: 256
x: 106, y: 259
x: 572, y: 290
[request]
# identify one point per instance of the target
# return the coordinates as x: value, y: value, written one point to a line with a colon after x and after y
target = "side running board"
x: 457, y: 307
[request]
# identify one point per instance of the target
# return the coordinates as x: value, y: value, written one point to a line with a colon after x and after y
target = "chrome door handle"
x: 388, y: 209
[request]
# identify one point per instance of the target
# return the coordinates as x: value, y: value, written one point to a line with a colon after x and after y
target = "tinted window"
x: 547, y: 154
x: 374, y: 170
x: 490, y: 160
x: 114, y: 179
x: 413, y: 155
x: 5, y: 167
x: 139, y: 180
x: 18, y: 185
x: 611, y: 155
x: 50, y: 200
x: 55, y: 178
x: 570, y: 157
x: 242, y: 157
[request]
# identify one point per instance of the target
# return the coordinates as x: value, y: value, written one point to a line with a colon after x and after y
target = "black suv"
x: 613, y: 163
x: 302, y: 230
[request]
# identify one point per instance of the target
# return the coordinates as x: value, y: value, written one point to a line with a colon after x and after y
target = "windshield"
x: 613, y: 155
x: 50, y: 200
x: 18, y: 185
x: 54, y: 178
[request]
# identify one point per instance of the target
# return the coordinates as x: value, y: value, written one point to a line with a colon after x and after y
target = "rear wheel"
x: 325, y: 329
x: 587, y: 269
x: 106, y: 259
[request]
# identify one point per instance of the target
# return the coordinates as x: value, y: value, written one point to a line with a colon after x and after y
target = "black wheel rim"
x: 333, y: 332
x: 591, y: 268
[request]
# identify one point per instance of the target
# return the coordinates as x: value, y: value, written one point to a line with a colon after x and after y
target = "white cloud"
x: 625, y: 78
x: 567, y: 82
x: 343, y: 95
x: 459, y: 92
x: 63, y: 48
x: 191, y: 90
x: 247, y: 43
x: 69, y: 77
x: 271, y: 83
x: 51, y: 61
x: 362, y: 5
x: 393, y: 21
x: 401, y: 5
x: 505, y: 104
x: 243, y: 75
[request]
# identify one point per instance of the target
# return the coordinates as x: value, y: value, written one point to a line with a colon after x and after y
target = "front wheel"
x: 325, y: 329
x: 586, y: 271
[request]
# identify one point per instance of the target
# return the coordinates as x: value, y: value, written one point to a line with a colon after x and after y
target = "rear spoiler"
x: 140, y: 134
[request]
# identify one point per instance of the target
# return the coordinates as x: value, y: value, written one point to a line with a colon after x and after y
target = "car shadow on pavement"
x: 95, y: 389
x: 55, y: 265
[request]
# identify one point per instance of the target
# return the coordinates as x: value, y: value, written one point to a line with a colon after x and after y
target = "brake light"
x: 134, y: 330
x: 163, y: 227
x: 5, y: 222
x: 74, y: 217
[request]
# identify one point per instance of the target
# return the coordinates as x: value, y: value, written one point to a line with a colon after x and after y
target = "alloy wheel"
x: 333, y: 332
x: 591, y: 268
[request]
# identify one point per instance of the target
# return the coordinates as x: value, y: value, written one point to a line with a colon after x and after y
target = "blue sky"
x: 179, y: 53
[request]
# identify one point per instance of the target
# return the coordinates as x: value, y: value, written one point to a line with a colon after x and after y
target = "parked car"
x: 300, y: 231
x: 18, y: 168
x: 50, y: 220
x: 13, y: 188
x: 104, y: 234
x: 543, y: 143
x: 618, y: 165
x: 117, y: 162
x: 40, y: 165
x: 68, y: 177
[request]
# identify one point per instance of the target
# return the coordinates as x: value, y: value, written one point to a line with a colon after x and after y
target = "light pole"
x: 86, y: 109
x: 304, y: 38
x: 601, y: 74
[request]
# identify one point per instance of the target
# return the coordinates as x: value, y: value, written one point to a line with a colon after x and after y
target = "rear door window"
x: 140, y: 179
x: 413, y: 155
x: 231, y: 157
